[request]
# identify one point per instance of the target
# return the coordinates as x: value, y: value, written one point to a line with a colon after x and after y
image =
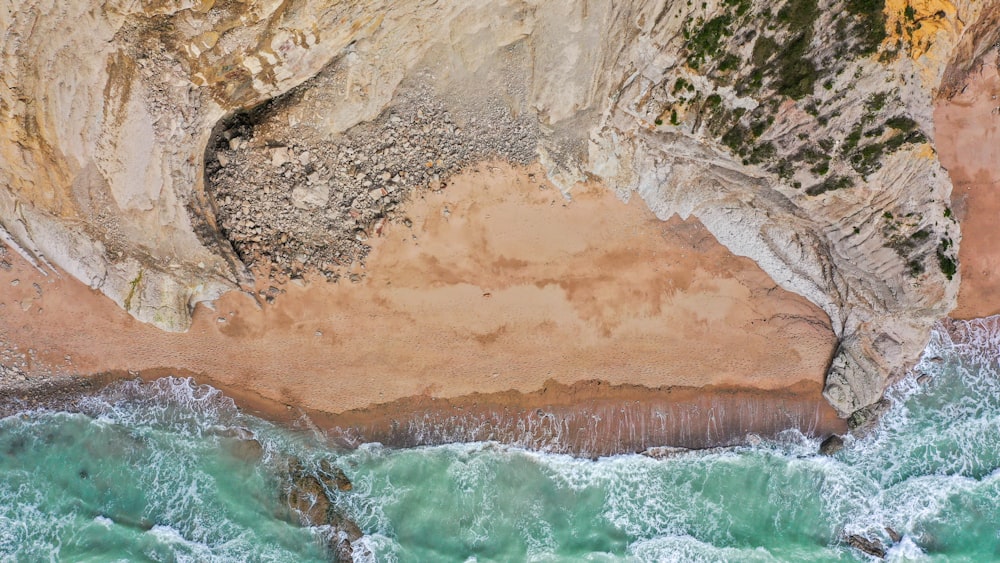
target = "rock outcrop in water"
x: 307, y: 497
x: 156, y: 150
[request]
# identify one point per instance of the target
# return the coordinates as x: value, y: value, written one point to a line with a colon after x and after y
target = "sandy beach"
x: 968, y: 141
x: 495, y: 291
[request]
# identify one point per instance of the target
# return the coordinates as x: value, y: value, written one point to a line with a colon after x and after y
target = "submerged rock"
x: 244, y: 445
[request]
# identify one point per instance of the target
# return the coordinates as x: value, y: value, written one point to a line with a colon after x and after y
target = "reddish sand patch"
x: 968, y: 142
x: 498, y: 285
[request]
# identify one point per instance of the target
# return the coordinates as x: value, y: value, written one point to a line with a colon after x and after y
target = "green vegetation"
x: 868, y: 18
x: 796, y: 73
x: 821, y: 168
x: 902, y: 123
x: 761, y: 153
x: 736, y: 138
x: 830, y: 184
x: 784, y: 169
x: 867, y: 159
x: 133, y: 285
x: 704, y: 43
x: 799, y: 14
x: 780, y: 61
x: 763, y: 49
x: 742, y: 6
x: 851, y: 140
x: 875, y: 103
x: 947, y: 263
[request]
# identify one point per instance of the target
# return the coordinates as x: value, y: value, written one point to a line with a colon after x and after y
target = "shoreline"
x: 585, y: 419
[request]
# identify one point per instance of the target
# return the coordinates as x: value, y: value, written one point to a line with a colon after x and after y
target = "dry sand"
x: 498, y: 285
x: 968, y: 141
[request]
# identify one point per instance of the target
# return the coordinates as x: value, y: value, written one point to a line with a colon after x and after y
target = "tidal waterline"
x: 156, y: 472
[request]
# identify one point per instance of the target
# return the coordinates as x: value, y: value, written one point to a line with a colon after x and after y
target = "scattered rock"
x: 278, y: 201
x: 310, y: 196
x: 279, y: 156
x: 895, y: 536
x: 831, y: 445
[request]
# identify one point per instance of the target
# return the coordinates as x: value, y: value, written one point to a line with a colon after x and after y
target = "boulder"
x: 831, y: 445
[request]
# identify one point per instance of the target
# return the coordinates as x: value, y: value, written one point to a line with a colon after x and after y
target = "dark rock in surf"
x: 333, y: 477
x: 871, y: 547
x: 831, y: 445
x: 893, y: 535
x: 864, y: 419
x: 664, y: 452
x: 308, y: 504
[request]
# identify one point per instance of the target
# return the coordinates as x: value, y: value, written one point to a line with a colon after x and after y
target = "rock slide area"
x: 352, y: 204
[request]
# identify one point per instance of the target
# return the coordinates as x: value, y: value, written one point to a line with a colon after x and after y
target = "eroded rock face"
x: 800, y: 137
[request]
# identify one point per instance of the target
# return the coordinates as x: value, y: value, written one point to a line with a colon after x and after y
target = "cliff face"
x: 136, y: 139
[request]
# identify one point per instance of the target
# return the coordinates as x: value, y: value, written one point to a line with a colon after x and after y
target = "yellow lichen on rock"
x: 921, y: 23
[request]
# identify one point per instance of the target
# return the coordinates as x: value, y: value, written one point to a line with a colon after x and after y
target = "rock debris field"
x: 291, y: 202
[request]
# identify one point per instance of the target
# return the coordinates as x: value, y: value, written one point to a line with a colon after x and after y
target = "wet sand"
x: 968, y: 142
x: 497, y: 297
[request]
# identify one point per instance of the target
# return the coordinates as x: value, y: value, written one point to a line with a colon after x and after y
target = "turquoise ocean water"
x: 152, y: 472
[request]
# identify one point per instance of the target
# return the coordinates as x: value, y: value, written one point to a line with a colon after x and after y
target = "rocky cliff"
x: 162, y: 151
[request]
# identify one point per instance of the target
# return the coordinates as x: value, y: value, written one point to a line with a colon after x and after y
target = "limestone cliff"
x: 800, y: 134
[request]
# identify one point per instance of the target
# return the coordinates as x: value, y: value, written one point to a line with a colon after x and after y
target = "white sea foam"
x: 905, y: 550
x: 686, y: 549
